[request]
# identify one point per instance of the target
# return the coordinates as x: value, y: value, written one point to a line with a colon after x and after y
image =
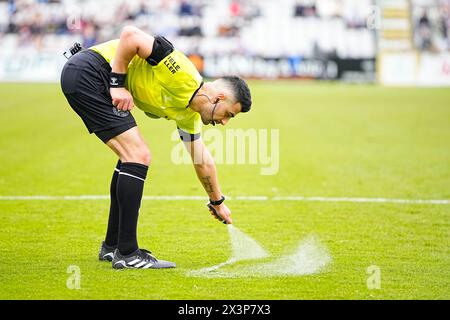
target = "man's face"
x: 220, y: 112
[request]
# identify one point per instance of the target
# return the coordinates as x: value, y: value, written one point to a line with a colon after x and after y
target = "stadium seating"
x: 261, y: 27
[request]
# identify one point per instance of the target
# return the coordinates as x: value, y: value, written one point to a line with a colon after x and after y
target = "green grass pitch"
x: 335, y: 141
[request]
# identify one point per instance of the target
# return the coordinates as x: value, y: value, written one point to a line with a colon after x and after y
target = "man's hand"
x: 121, y: 99
x: 221, y: 213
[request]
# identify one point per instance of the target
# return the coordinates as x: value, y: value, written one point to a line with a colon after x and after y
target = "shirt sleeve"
x: 188, y: 137
x: 190, y: 128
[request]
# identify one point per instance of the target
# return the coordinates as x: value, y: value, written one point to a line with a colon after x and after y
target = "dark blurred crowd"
x: 309, y: 9
x: 432, y: 26
x: 31, y: 19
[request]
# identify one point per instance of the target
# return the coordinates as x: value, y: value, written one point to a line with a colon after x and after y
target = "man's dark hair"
x: 241, y: 92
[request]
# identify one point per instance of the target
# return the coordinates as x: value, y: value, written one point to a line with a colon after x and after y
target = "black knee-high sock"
x: 130, y: 186
x: 112, y: 234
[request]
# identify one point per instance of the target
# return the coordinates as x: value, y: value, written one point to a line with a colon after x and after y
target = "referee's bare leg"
x: 130, y: 146
x: 135, y: 158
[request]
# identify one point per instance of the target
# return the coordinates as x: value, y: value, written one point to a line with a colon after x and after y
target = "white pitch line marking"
x: 362, y: 200
x: 252, y: 198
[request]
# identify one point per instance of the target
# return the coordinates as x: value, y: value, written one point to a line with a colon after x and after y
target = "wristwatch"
x: 217, y: 202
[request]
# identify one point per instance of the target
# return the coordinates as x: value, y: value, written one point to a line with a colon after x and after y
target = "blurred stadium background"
x: 392, y: 42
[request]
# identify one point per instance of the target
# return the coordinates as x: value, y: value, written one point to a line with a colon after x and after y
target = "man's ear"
x: 220, y: 96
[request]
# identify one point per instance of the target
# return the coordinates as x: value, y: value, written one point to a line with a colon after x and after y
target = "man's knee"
x: 145, y: 156
x: 131, y: 149
x: 140, y: 155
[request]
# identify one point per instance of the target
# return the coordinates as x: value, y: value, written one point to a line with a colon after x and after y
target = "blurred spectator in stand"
x: 11, y: 16
x: 425, y: 32
x: 235, y: 8
x: 190, y: 21
x: 190, y: 27
x: 37, y: 29
x: 123, y: 12
x: 186, y: 8
x: 302, y: 10
x: 228, y: 30
x: 144, y: 9
x: 447, y: 28
x: 443, y: 26
x: 198, y: 62
x: 24, y: 36
x: 252, y: 10
x: 444, y: 11
x: 90, y: 34
x: 299, y: 10
x: 230, y: 27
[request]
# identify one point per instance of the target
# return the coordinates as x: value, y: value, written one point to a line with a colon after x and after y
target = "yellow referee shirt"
x: 164, y: 90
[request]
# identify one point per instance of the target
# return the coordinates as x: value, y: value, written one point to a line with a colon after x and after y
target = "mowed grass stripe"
x: 238, y: 198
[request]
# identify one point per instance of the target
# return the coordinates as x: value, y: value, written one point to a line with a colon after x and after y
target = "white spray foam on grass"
x: 310, y: 257
x: 243, y: 248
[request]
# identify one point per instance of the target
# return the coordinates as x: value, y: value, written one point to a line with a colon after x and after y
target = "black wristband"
x: 218, y: 202
x: 117, y: 80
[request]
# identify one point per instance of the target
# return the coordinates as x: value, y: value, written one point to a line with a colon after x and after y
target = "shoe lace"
x: 147, y: 255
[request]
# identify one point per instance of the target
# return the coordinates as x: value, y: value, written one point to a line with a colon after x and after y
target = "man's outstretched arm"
x: 207, y: 174
x: 133, y: 41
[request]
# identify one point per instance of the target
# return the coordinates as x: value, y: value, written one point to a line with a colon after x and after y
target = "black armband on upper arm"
x: 188, y: 137
x: 161, y: 49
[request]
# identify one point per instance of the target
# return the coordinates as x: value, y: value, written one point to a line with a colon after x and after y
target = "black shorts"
x: 85, y: 83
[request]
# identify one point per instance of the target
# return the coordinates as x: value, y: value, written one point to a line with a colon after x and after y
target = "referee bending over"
x: 103, y: 83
